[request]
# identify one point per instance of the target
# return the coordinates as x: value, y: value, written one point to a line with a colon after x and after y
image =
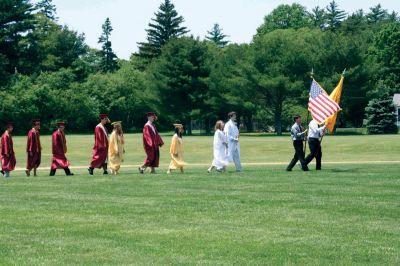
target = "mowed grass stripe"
x: 254, y: 149
x: 347, y: 214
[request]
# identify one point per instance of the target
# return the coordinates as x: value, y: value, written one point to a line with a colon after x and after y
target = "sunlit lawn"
x: 346, y: 214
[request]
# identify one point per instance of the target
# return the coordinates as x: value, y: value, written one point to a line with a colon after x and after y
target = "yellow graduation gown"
x: 115, y: 151
x: 176, y: 151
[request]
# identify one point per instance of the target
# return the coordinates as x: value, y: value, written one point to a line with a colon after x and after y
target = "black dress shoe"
x: 141, y: 170
x: 70, y: 174
x: 105, y: 172
x: 289, y: 170
x: 90, y: 170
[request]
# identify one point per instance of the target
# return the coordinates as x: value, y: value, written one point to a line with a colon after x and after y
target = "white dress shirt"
x: 314, y: 131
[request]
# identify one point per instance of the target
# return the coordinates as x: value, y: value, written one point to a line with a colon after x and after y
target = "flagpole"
x: 308, y: 118
x: 320, y: 141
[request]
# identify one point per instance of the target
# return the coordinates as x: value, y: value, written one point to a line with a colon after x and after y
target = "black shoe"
x: 305, y: 168
x: 90, y: 170
x: 105, y: 172
x: 141, y: 170
x: 318, y: 169
x: 70, y: 174
x: 2, y: 172
x: 289, y: 170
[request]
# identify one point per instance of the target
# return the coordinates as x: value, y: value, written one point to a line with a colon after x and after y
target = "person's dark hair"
x: 230, y: 114
x: 178, y: 132
x: 296, y: 117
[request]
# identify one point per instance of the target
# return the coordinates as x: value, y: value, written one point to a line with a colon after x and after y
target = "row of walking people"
x: 34, y: 150
x: 226, y: 147
x: 108, y: 150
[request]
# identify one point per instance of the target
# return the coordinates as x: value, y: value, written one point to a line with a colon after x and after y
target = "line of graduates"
x: 109, y: 151
x: 34, y: 150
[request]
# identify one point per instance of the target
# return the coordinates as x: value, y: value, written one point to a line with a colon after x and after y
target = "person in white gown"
x: 232, y: 133
x: 220, y: 148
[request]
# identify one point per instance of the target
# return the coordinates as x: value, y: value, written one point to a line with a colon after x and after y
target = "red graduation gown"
x: 100, y: 148
x: 33, y: 146
x: 59, y: 147
x: 151, y: 143
x: 7, y: 153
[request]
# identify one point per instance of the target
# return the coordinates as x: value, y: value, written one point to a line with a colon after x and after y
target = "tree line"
x: 49, y: 72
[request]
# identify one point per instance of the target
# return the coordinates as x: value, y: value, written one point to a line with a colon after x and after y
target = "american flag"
x: 320, y: 105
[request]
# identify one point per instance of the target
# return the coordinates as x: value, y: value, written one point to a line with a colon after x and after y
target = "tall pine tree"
x: 16, y: 23
x: 318, y: 17
x: 381, y: 118
x: 377, y: 14
x: 108, y: 57
x: 47, y: 8
x: 334, y: 16
x: 216, y: 36
x: 165, y: 26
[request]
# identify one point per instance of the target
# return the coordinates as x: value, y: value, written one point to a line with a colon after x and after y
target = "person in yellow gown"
x: 176, y: 150
x: 116, y: 148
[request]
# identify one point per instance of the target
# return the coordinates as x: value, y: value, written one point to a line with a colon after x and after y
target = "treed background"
x: 48, y: 71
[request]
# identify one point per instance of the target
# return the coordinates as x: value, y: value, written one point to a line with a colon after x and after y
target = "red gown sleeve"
x: 147, y: 140
x: 54, y: 143
x: 97, y: 142
x: 5, y: 145
x: 160, y: 141
x: 100, y: 139
x: 29, y: 144
x: 158, y: 138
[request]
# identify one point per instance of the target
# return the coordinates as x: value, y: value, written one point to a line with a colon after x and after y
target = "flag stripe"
x: 331, y: 103
x: 314, y: 111
x: 318, y: 108
x: 325, y: 103
x: 320, y: 105
x: 316, y: 117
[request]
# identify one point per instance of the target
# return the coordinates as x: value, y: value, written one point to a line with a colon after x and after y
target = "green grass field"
x: 347, y: 214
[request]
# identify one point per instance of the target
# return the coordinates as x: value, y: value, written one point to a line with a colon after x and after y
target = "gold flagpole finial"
x: 344, y: 72
x: 312, y: 73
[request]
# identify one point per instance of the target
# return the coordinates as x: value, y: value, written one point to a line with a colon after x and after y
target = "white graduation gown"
x: 232, y: 133
x: 220, y: 157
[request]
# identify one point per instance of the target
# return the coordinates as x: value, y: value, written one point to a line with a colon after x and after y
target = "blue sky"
x: 129, y: 18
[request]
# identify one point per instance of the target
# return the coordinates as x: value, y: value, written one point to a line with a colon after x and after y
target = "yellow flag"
x: 335, y: 95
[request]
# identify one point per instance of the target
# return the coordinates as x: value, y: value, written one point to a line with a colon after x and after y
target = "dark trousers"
x: 298, y: 155
x: 315, y: 152
x: 66, y: 170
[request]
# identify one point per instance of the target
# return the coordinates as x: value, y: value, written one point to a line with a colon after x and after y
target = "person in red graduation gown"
x: 152, y: 142
x: 7, y: 154
x: 100, y: 148
x: 33, y: 148
x: 59, y: 149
